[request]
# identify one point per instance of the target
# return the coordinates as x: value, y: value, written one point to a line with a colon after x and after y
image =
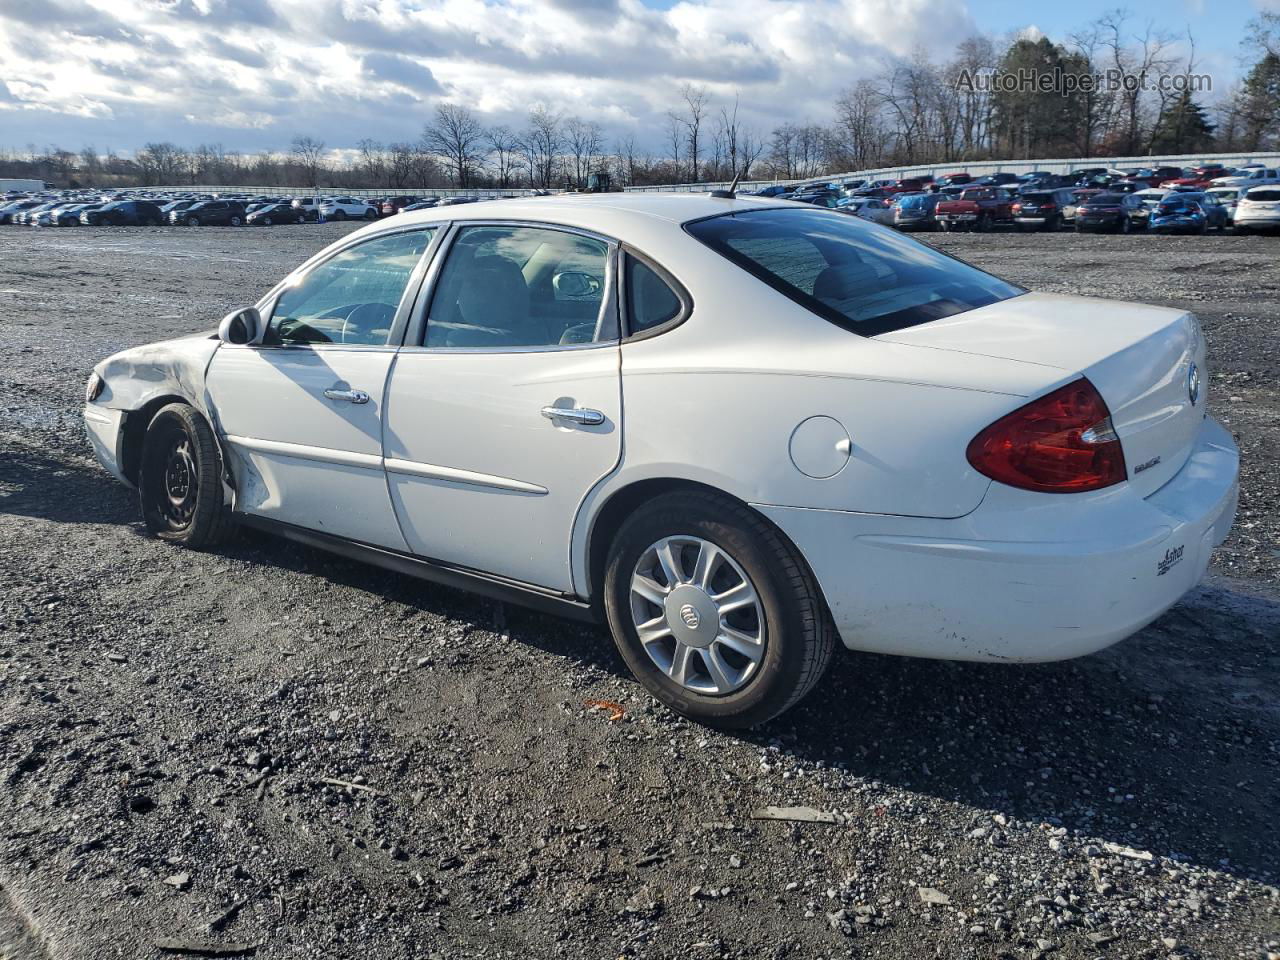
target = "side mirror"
x: 241, y: 326
x: 575, y: 286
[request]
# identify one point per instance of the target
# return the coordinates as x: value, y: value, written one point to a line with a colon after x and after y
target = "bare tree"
x: 504, y: 149
x: 309, y: 154
x: 456, y: 137
x: 544, y: 141
x: 690, y: 118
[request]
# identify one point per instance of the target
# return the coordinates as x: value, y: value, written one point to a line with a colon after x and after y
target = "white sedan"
x: 734, y: 429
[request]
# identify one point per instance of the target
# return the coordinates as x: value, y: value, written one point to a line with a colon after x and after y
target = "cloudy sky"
x: 251, y: 74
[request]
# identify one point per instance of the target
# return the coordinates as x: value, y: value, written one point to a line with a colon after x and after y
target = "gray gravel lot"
x: 168, y: 719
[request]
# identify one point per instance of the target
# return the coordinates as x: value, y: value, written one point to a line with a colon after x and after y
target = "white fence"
x: 983, y: 167
x: 977, y: 168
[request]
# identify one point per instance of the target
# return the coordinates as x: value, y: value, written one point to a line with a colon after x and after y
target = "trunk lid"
x: 1147, y: 362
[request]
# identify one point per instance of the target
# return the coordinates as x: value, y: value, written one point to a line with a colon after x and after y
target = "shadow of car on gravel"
x: 1165, y: 742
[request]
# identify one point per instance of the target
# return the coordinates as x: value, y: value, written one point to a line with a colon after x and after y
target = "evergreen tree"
x: 1183, y: 128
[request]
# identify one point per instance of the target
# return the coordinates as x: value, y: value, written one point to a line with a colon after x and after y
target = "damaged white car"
x: 732, y: 428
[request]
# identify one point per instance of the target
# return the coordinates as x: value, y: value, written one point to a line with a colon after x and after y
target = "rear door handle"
x: 350, y: 396
x: 577, y: 414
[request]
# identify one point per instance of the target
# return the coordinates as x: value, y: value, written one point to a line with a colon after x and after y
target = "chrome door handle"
x: 576, y: 414
x: 351, y: 396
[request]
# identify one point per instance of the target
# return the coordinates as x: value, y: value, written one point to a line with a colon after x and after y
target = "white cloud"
x: 252, y: 73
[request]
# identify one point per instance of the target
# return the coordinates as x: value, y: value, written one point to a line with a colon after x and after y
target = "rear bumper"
x: 1024, y: 577
x: 103, y: 427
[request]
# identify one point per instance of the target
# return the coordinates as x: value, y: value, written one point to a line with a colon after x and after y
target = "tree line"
x: 912, y: 111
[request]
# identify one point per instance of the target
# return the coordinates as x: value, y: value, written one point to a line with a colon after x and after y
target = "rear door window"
x: 860, y: 277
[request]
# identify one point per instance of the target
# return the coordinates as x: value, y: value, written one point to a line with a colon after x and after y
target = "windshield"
x: 1266, y: 196
x: 864, y: 278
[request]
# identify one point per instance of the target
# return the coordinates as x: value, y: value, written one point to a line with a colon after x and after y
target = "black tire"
x: 266, y: 221
x: 180, y: 480
x: 339, y: 215
x: 1125, y: 225
x: 235, y: 221
x: 1080, y: 228
x: 1202, y: 229
x: 370, y: 214
x: 983, y: 223
x: 1053, y: 224
x: 799, y: 637
x: 193, y: 221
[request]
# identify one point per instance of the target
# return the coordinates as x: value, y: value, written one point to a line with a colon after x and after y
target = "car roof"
x: 603, y: 212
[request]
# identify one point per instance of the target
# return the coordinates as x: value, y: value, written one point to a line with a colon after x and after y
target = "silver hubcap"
x: 697, y: 615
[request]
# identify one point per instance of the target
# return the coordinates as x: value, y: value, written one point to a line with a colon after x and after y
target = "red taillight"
x: 1017, y: 207
x: 1048, y: 206
x: 1062, y: 443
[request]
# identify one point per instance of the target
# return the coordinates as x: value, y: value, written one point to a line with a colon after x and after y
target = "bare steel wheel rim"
x: 697, y: 615
x: 177, y: 502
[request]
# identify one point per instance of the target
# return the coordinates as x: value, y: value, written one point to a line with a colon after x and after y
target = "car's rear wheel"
x: 235, y: 221
x: 266, y: 221
x: 371, y: 214
x: 193, y: 221
x: 713, y: 611
x: 180, y: 479
x: 1125, y: 225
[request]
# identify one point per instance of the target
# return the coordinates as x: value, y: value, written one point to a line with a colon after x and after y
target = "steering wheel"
x: 362, y: 319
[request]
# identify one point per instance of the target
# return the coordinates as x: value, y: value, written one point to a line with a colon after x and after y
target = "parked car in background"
x: 310, y: 207
x: 70, y: 216
x: 997, y: 180
x: 1144, y: 202
x: 1155, y: 176
x: 1179, y: 213
x: 820, y: 198
x: 124, y: 213
x: 210, y: 213
x: 874, y: 209
x: 273, y: 213
x: 773, y: 190
x: 1078, y: 196
x: 977, y: 208
x: 1228, y: 197
x: 1249, y: 176
x: 347, y: 208
x: 956, y: 179
x: 1103, y: 211
x: 916, y: 211
x: 1258, y: 211
x: 1040, y: 209
x: 9, y: 210
x: 420, y: 205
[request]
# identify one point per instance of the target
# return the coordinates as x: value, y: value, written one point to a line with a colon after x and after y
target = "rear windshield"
x: 1106, y: 199
x: 864, y: 278
x: 1037, y: 197
x: 1264, y: 195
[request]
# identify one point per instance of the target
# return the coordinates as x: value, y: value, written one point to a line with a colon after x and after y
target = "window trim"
x: 267, y: 305
x: 414, y: 339
x: 678, y: 288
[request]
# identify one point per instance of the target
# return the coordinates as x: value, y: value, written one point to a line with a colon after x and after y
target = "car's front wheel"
x: 180, y: 480
x: 713, y: 611
x: 193, y: 221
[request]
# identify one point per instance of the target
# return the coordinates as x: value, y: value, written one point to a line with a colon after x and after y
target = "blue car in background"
x: 1188, y: 213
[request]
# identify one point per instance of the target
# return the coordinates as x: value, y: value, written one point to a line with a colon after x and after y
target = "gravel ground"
x: 272, y: 749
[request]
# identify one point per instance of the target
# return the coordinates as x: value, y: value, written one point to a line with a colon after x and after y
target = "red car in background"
x: 954, y: 179
x: 1157, y: 175
x: 1200, y: 177
x: 393, y: 205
